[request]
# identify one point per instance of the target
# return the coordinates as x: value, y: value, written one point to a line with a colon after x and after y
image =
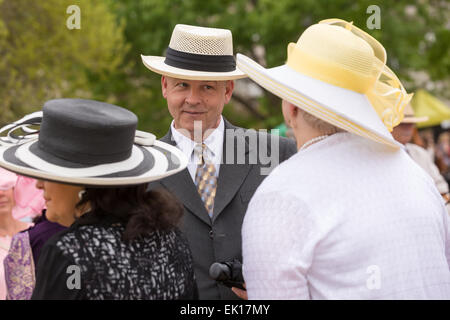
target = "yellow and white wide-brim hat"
x: 197, y: 53
x: 338, y: 73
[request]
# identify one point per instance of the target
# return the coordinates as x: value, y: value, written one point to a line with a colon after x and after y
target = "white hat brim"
x: 341, y: 107
x: 168, y: 160
x: 156, y: 64
x: 407, y: 119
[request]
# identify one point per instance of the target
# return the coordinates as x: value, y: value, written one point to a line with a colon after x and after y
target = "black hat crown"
x: 89, y: 131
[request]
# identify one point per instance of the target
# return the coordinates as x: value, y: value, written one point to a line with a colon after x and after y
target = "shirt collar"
x: 214, y: 141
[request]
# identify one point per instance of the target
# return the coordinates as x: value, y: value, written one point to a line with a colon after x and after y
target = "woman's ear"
x: 294, y: 110
x: 290, y: 113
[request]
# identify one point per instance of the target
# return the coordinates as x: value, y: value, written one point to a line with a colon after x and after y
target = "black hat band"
x: 199, y: 62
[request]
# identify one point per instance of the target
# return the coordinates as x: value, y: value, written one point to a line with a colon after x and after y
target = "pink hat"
x: 29, y: 199
x: 7, y: 179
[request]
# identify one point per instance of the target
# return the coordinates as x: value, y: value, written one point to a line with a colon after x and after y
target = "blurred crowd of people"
x: 20, y: 203
x: 437, y: 143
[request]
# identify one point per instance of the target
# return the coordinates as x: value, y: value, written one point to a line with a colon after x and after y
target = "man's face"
x: 195, y: 100
x: 403, y: 133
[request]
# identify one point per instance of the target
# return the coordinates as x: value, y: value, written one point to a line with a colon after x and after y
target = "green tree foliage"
x: 263, y: 28
x: 42, y: 59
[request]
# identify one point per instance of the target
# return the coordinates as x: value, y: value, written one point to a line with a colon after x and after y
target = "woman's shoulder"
x: 79, y: 236
x: 94, y: 237
x: 171, y: 241
x: 61, y: 239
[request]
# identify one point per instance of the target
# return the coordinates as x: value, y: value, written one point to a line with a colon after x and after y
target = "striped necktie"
x: 205, y: 178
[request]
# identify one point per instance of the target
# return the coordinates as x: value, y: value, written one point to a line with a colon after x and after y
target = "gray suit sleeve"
x: 288, y: 148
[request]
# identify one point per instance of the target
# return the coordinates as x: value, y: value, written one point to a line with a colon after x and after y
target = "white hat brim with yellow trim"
x: 347, y: 85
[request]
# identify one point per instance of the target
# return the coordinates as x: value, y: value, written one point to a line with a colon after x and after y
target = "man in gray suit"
x: 227, y: 163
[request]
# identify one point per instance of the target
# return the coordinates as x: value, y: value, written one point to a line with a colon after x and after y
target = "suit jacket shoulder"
x: 260, y: 143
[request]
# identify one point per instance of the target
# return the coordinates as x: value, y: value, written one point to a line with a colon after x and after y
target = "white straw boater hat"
x: 197, y: 53
x: 410, y: 117
x: 88, y: 143
x: 338, y: 73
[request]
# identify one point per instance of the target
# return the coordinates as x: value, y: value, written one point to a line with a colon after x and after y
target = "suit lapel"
x: 182, y: 186
x: 231, y: 176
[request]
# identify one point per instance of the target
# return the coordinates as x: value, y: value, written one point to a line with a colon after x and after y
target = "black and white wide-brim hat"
x: 197, y: 53
x: 86, y: 142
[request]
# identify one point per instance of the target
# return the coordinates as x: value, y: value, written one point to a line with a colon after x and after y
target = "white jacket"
x: 347, y: 218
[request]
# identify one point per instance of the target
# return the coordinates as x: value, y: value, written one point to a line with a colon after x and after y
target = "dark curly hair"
x: 142, y: 211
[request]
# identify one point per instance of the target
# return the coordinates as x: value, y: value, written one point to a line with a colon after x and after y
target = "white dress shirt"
x: 347, y: 218
x: 214, y: 144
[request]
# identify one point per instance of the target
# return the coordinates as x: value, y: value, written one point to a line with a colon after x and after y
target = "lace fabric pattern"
x: 158, y: 266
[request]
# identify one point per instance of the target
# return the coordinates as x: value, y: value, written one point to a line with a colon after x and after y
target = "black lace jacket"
x: 92, y: 262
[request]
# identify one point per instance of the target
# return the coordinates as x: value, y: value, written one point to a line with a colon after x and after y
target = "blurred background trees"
x: 42, y: 59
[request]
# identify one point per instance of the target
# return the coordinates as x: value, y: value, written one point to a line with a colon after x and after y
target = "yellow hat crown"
x: 336, y: 52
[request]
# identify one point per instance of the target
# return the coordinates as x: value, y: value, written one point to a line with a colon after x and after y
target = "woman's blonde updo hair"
x: 322, y: 126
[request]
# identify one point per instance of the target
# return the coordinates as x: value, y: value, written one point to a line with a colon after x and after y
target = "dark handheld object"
x: 228, y: 273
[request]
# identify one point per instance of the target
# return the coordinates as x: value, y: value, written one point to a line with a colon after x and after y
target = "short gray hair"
x: 322, y: 126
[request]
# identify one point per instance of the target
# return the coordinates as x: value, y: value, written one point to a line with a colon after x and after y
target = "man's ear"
x: 164, y: 86
x: 229, y: 87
